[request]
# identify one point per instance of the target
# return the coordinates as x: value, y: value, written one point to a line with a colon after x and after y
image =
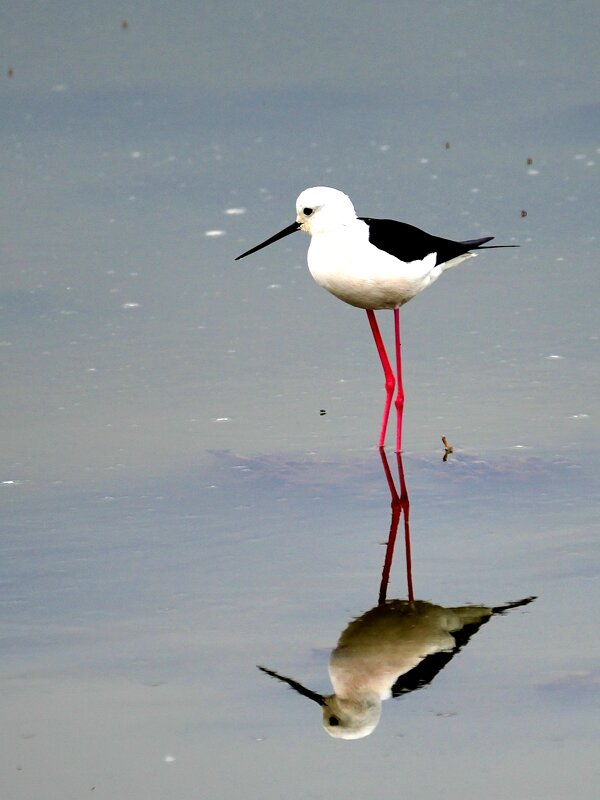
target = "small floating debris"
x: 554, y: 357
x: 322, y: 412
x: 235, y: 212
x: 130, y: 305
x: 214, y: 233
x: 448, y: 448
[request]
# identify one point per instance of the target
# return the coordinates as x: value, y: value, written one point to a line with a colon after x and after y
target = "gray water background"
x: 176, y: 509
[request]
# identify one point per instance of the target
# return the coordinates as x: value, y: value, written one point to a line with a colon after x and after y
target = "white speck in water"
x: 169, y: 759
x: 130, y: 305
x: 384, y: 148
x: 135, y: 154
x: 533, y: 172
x: 214, y: 233
x: 580, y: 156
x: 553, y: 357
x: 274, y: 286
x: 222, y: 419
x: 60, y: 87
x: 235, y: 212
x: 423, y: 161
x: 579, y: 416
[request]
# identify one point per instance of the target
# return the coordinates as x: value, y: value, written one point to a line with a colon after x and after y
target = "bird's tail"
x: 497, y: 246
x: 480, y: 244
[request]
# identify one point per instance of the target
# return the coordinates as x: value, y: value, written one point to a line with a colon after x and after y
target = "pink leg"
x: 390, y: 381
x: 399, y: 403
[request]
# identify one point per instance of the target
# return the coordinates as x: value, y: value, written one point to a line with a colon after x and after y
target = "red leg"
x: 390, y: 381
x: 399, y: 403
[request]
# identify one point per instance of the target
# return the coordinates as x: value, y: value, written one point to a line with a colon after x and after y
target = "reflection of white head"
x: 344, y: 718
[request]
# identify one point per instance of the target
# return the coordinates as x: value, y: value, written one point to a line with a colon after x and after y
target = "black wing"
x: 408, y: 243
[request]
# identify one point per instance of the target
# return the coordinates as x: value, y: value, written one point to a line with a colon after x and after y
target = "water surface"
x: 177, y: 509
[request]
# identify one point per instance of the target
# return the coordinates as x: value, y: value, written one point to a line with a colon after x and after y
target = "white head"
x: 318, y: 209
x: 322, y: 208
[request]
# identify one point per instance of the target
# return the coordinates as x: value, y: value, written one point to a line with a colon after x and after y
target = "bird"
x: 393, y: 649
x: 373, y: 264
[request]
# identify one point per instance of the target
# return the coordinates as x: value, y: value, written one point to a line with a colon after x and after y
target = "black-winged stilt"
x: 372, y: 264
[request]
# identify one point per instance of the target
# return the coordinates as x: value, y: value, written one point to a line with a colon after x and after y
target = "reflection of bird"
x: 372, y: 264
x: 393, y: 649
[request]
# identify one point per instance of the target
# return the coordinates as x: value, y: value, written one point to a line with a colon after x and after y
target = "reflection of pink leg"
x: 405, y: 506
x: 399, y: 403
x: 390, y: 381
x: 396, y: 511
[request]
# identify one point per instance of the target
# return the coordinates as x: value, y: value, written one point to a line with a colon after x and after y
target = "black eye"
x: 307, y: 212
x: 333, y: 721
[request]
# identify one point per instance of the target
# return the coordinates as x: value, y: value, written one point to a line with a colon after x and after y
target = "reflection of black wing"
x: 425, y: 672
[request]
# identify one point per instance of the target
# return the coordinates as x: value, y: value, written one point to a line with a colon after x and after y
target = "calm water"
x: 176, y: 509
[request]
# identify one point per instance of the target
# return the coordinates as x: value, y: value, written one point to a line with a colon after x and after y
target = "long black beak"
x: 318, y: 698
x: 285, y: 232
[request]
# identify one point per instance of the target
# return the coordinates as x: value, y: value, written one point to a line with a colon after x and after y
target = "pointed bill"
x: 295, y: 226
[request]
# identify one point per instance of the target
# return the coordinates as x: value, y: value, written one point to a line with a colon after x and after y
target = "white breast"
x: 347, y: 265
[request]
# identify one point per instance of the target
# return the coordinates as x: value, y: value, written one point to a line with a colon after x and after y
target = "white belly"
x: 350, y: 268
